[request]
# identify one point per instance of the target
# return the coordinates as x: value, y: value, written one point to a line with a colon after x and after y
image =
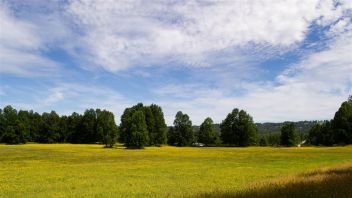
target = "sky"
x: 278, y: 60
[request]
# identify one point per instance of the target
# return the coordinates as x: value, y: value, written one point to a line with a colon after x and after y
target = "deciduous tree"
x: 207, y: 134
x: 183, y: 130
x: 288, y: 134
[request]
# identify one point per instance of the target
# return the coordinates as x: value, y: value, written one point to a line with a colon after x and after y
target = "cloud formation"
x: 279, y: 60
x: 311, y: 89
x: 124, y: 34
x: 23, y: 43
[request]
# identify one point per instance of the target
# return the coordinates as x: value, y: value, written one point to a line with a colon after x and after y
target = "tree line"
x: 140, y: 126
x: 145, y: 126
x: 22, y: 126
x: 337, y: 131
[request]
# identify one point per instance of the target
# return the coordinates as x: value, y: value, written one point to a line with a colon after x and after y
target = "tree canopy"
x: 336, y: 131
x: 95, y: 126
x: 154, y: 120
x: 238, y: 129
x: 183, y: 131
x: 207, y: 133
x: 145, y: 126
x: 288, y: 134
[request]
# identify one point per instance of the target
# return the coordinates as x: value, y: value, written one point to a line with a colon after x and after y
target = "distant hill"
x: 301, y: 126
x: 270, y: 127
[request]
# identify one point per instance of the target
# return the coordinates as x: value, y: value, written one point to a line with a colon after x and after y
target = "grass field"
x: 65, y: 170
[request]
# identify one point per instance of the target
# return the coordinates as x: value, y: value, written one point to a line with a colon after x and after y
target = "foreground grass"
x: 64, y: 170
x: 332, y: 182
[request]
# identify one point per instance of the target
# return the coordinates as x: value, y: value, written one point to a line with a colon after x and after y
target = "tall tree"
x: 35, y: 121
x: 342, y: 124
x: 64, y: 135
x: 2, y: 124
x: 238, y: 129
x: 23, y: 125
x: 207, y: 134
x: 88, y: 127
x: 149, y: 120
x: 154, y: 119
x: 14, y: 128
x: 171, y: 136
x: 73, y: 127
x: 288, y: 136
x: 126, y: 121
x: 49, y: 128
x: 183, y: 129
x: 315, y: 136
x: 159, y: 128
x: 137, y: 136
x: 106, y: 128
x: 322, y: 134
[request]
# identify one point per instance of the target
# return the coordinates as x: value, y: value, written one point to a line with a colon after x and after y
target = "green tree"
x: 2, y: 124
x: 238, y: 129
x: 9, y: 136
x: 274, y: 139
x: 23, y: 125
x: 263, y: 141
x: 207, y: 134
x: 159, y: 127
x: 171, y: 136
x: 154, y: 119
x: 315, y: 136
x: 342, y: 124
x: 149, y: 120
x: 88, y: 132
x: 73, y: 127
x: 288, y: 136
x: 14, y: 127
x: 322, y: 134
x: 106, y: 128
x: 35, y: 121
x: 336, y: 131
x: 183, y: 130
x: 126, y: 121
x: 49, y: 128
x: 137, y: 136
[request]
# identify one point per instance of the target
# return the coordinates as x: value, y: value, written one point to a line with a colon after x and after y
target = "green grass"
x: 65, y: 170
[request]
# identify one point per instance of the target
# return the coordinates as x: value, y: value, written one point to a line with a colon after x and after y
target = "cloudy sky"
x: 278, y: 60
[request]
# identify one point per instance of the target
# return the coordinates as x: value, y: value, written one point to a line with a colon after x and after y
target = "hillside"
x: 269, y: 127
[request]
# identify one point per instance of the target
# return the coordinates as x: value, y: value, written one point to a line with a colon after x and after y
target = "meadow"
x: 67, y: 170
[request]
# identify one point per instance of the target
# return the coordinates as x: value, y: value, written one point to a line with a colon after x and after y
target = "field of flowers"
x: 67, y: 170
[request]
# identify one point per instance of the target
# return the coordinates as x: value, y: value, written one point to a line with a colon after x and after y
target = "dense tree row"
x: 145, y: 126
x: 335, y: 131
x: 237, y: 129
x: 22, y: 126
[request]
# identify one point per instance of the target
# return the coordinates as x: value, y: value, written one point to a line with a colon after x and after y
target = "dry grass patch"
x: 332, y: 182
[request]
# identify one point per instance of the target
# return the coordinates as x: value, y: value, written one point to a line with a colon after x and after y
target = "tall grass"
x: 333, y: 182
x: 66, y: 170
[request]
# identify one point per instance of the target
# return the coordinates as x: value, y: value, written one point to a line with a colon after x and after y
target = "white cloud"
x: 311, y: 89
x: 222, y: 41
x: 122, y: 34
x: 65, y: 98
x: 70, y: 97
x: 25, y: 39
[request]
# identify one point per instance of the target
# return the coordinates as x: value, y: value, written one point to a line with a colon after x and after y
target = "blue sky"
x: 278, y: 60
